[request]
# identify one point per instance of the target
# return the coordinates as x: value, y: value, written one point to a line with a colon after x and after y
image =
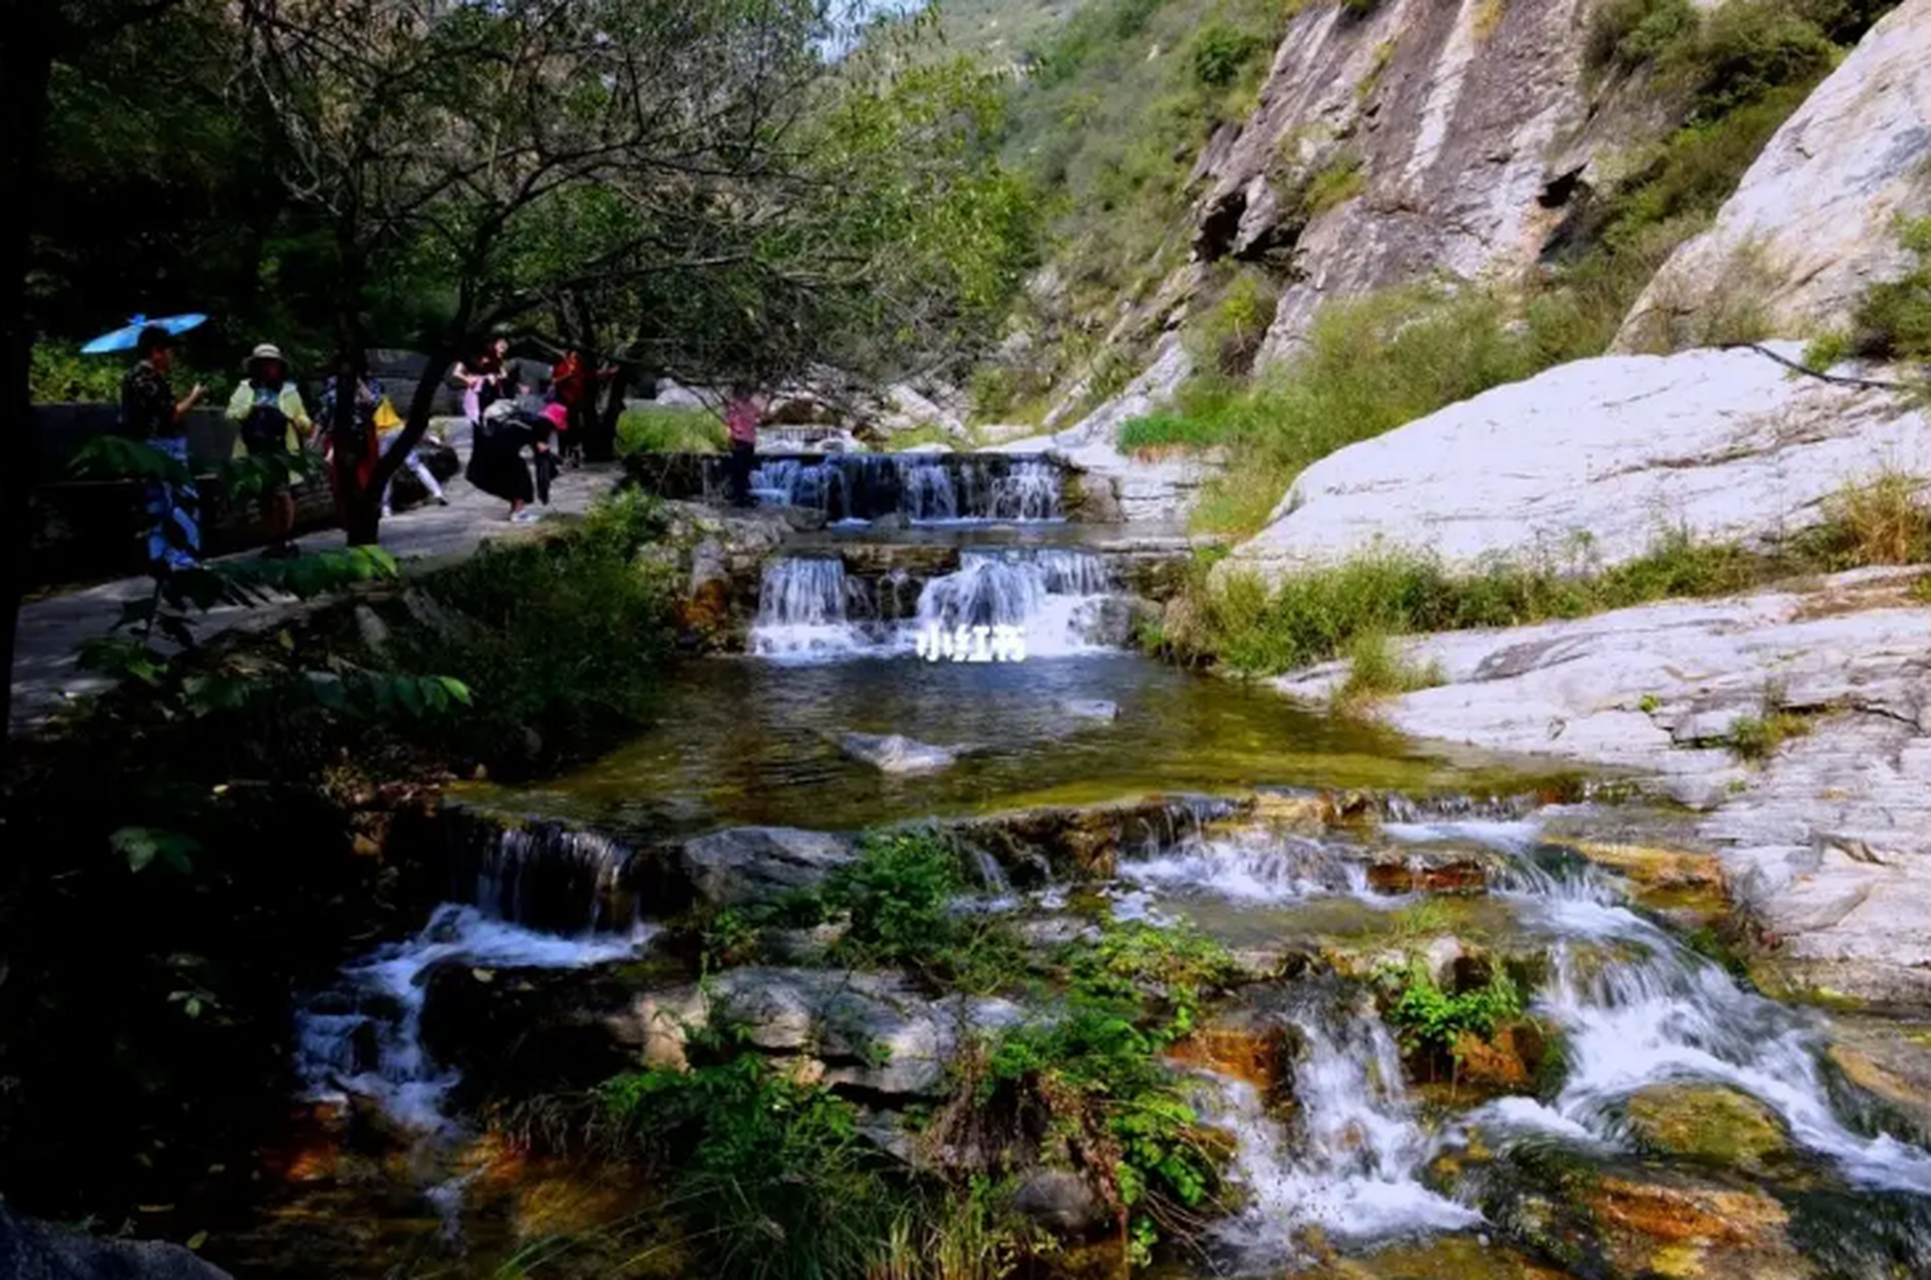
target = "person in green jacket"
x: 267, y: 410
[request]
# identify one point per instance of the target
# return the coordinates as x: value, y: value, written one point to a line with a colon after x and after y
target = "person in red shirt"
x: 574, y: 385
x: 741, y: 414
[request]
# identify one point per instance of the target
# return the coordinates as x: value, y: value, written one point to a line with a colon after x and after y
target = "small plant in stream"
x: 1178, y: 966
x: 1429, y: 1019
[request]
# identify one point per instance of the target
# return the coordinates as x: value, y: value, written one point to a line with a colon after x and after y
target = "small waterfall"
x: 922, y: 487
x: 1673, y: 1015
x: 1030, y: 491
x: 1052, y: 594
x: 802, y: 609
x: 1668, y: 1014
x: 1347, y: 1166
x: 1255, y: 866
x: 926, y: 491
x: 542, y: 896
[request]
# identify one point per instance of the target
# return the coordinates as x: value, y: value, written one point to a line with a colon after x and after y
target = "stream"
x: 1368, y: 1170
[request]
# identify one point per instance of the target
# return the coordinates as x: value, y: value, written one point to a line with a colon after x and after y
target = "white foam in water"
x: 1256, y: 868
x: 1507, y: 835
x: 1053, y: 595
x: 850, y: 487
x: 389, y: 985
x: 1350, y: 1170
x: 1671, y: 1015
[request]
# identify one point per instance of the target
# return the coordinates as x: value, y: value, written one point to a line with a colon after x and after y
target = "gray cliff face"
x: 1459, y: 122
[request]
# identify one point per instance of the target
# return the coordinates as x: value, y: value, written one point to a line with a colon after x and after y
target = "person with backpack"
x: 271, y: 423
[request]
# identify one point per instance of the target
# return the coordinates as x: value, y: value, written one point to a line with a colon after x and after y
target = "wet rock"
x: 31, y: 1250
x: 895, y: 753
x: 1062, y: 1202
x: 793, y: 946
x: 706, y: 610
x: 1118, y: 621
x: 1085, y: 841
x: 873, y: 1033
x: 1707, y: 1122
x: 1460, y: 876
x: 1623, y: 1220
x: 802, y: 519
x: 1883, y: 1070
x: 747, y: 865
x: 374, y: 632
x: 1088, y: 709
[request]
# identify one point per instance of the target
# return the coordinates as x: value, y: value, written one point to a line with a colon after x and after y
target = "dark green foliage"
x: 1221, y: 52
x: 769, y: 1177
x: 1893, y: 319
x: 1429, y: 1019
x: 1359, y: 8
x: 1748, y: 49
x: 563, y: 642
x: 1628, y: 33
x: 1177, y: 967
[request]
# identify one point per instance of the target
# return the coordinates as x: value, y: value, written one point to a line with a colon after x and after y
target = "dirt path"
x: 45, y: 674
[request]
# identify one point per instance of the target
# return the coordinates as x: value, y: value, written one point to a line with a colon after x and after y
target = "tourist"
x: 271, y: 423
x: 575, y: 386
x: 150, y: 413
x: 496, y: 463
x: 481, y: 377
x: 374, y: 428
x: 741, y: 415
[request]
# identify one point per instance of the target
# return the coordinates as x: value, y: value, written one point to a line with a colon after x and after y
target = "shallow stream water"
x: 1366, y: 1172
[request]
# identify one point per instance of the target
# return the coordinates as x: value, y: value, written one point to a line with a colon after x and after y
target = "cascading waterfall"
x: 802, y: 609
x: 1052, y: 594
x: 1672, y: 1015
x: 1254, y: 867
x: 921, y: 487
x: 1348, y: 1165
x: 362, y: 1036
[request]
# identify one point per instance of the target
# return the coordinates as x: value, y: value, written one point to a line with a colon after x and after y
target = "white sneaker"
x: 386, y: 513
x: 526, y: 516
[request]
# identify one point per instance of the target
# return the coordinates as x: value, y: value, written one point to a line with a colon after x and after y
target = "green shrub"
x: 1377, y: 670
x: 1162, y: 430
x: 1221, y: 52
x: 1177, y: 967
x: 1893, y: 318
x: 1629, y: 33
x: 1369, y: 365
x: 770, y: 1178
x: 1878, y: 521
x: 1747, y: 50
x: 1338, y: 182
x: 1359, y: 8
x: 1431, y: 1020
x: 561, y: 639
x: 656, y: 429
x: 1757, y: 738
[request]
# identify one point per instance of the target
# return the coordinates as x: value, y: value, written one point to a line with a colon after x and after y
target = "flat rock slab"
x: 1590, y: 462
x: 1829, y: 841
x: 741, y: 866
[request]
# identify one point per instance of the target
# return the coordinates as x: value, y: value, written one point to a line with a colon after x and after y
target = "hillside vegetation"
x: 1109, y: 118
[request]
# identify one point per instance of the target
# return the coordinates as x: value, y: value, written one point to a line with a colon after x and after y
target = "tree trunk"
x: 600, y: 444
x: 26, y: 67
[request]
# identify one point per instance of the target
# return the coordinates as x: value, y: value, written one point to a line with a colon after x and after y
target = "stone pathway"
x: 46, y: 676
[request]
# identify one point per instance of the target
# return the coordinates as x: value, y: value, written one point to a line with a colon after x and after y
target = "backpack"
x: 265, y: 429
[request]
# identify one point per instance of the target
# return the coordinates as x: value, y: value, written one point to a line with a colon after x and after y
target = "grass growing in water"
x: 1376, y: 669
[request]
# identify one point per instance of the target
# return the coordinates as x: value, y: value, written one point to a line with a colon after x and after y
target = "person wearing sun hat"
x: 271, y: 421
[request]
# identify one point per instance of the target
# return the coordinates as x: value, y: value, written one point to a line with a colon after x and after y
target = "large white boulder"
x: 1813, y: 222
x: 1598, y: 457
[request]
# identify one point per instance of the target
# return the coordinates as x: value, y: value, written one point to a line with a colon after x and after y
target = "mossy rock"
x: 1708, y: 1122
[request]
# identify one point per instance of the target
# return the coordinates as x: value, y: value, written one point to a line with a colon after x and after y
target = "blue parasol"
x: 123, y: 339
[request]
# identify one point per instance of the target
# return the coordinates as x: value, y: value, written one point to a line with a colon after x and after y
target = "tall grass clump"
x: 1351, y: 608
x: 663, y: 429
x: 1369, y: 365
x: 1879, y: 521
x: 560, y: 641
x: 1378, y: 669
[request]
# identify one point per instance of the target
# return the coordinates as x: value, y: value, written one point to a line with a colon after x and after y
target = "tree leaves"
x: 142, y: 846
